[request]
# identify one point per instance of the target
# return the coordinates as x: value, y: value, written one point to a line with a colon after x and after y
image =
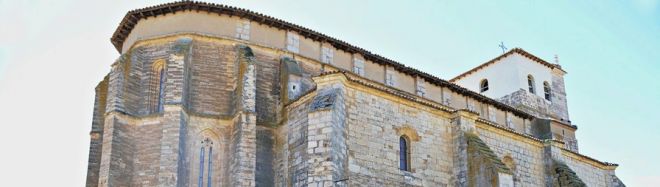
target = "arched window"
x: 546, y: 90
x: 530, y: 83
x: 156, y: 87
x: 511, y: 164
x: 207, y: 145
x: 508, y: 161
x: 483, y: 86
x: 404, y: 153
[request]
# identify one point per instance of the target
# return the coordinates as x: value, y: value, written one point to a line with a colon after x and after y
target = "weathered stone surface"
x: 565, y: 176
x: 233, y: 112
x: 528, y: 102
x: 96, y: 134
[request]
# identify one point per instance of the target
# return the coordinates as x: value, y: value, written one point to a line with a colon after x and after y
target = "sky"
x: 53, y: 53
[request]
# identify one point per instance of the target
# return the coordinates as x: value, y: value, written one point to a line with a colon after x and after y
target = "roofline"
x: 510, y: 52
x: 591, y: 158
x: 132, y: 17
x: 454, y: 88
x: 575, y: 127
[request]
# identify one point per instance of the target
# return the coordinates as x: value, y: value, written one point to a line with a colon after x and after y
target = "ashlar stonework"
x: 211, y: 95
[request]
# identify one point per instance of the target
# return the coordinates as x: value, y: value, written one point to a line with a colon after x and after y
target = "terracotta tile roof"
x: 453, y: 87
x: 132, y: 17
x: 510, y: 52
x: 379, y: 86
x: 590, y: 158
x: 572, y: 126
x: 508, y: 129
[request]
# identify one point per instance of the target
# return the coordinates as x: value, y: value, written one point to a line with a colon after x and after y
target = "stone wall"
x: 116, y: 168
x: 527, y: 154
x: 243, y: 136
x: 528, y: 102
x: 147, y: 136
x: 590, y: 175
x: 339, y: 131
x: 265, y: 174
x: 326, y: 140
x: 268, y: 87
x: 218, y: 131
x: 213, y: 78
x: 96, y: 134
x: 292, y: 156
x: 375, y: 121
x: 559, y: 105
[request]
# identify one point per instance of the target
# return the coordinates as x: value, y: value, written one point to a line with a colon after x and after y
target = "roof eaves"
x: 125, y: 26
x: 498, y: 58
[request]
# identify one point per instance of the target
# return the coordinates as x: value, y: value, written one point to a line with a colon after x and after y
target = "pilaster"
x: 551, y: 152
x: 326, y: 140
x: 242, y: 168
x: 463, y: 121
x: 116, y: 166
x: 559, y: 106
x: 174, y: 118
x: 116, y: 81
x: 96, y: 134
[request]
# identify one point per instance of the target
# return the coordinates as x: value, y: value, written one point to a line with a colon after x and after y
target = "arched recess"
x: 156, y: 86
x: 409, y: 132
x: 510, y: 163
x: 406, y: 136
x: 206, y: 153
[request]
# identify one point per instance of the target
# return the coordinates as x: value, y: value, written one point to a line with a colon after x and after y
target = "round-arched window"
x: 547, y: 91
x: 404, y: 153
x: 483, y: 86
x: 530, y: 84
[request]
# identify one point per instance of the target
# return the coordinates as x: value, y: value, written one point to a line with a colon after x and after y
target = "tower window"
x: 530, y: 84
x: 483, y: 86
x: 547, y: 91
x: 404, y: 153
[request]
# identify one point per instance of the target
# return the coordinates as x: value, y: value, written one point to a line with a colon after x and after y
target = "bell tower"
x: 530, y: 84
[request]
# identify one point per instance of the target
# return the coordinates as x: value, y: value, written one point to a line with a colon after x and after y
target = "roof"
x: 132, y: 17
x: 479, y: 146
x: 451, y: 86
x: 510, y: 52
x: 590, y: 158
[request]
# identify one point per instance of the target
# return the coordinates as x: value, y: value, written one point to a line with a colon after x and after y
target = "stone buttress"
x: 141, y: 139
x: 212, y: 95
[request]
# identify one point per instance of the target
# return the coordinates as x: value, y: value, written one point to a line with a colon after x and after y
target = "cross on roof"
x: 503, y: 47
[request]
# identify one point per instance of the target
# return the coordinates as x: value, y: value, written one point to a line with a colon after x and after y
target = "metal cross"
x: 503, y: 47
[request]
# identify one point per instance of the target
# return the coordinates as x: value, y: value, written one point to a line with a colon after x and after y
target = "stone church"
x: 210, y: 95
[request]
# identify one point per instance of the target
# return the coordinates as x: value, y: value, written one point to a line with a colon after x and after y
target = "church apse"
x: 258, y: 101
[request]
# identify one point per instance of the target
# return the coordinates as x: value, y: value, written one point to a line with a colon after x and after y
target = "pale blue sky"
x: 53, y: 53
